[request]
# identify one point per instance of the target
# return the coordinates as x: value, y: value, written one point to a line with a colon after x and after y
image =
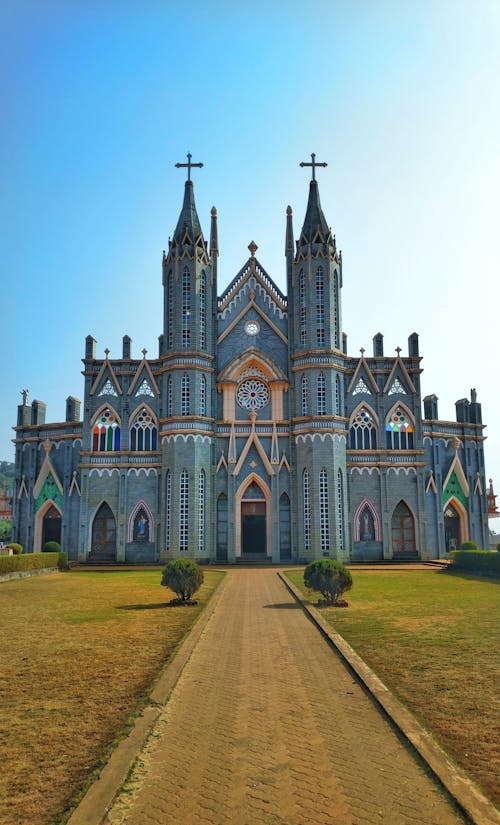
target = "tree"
x: 183, y: 576
x: 329, y: 577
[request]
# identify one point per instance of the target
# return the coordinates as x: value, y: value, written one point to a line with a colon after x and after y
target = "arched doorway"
x: 403, y: 531
x: 51, y: 526
x: 253, y: 522
x: 103, y: 547
x: 451, y: 529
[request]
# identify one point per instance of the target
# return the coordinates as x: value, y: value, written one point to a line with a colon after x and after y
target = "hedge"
x: 28, y: 561
x: 486, y: 562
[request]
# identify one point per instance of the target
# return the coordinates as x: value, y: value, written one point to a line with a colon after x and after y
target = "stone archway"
x: 47, y: 525
x: 253, y: 519
x: 455, y: 525
x: 103, y: 547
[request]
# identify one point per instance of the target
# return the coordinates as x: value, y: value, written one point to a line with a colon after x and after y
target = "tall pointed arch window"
x: 324, y: 516
x: 203, y: 310
x: 184, y: 512
x: 185, y: 394
x: 168, y: 510
x: 170, y: 308
x: 143, y: 432
x: 303, y: 307
x: 399, y: 431
x: 320, y: 307
x: 363, y: 432
x: 340, y: 509
x: 338, y: 398
x: 203, y: 395
x: 304, y: 395
x: 169, y: 396
x: 336, y: 309
x: 201, y: 511
x: 321, y: 394
x: 306, y: 507
x: 186, y: 308
x: 106, y: 432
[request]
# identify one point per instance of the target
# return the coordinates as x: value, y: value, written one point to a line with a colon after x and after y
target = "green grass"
x: 434, y: 639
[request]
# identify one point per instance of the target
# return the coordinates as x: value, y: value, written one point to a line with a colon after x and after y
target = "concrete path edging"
x: 460, y: 787
x: 96, y: 802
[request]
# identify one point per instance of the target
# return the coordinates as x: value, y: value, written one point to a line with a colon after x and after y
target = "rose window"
x: 252, y: 394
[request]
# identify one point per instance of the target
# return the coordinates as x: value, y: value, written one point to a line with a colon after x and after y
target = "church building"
x: 254, y: 434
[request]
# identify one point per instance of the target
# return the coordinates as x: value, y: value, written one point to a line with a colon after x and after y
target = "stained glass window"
x: 186, y: 308
x: 399, y: 431
x: 184, y: 512
x: 143, y: 432
x: 108, y: 389
x: 363, y: 433
x: 252, y: 394
x: 106, y: 432
x: 324, y: 520
x: 321, y: 390
x: 185, y: 394
x: 304, y: 395
x: 306, y: 504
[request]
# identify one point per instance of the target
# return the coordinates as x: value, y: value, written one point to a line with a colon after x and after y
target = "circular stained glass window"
x: 252, y: 328
x: 252, y: 394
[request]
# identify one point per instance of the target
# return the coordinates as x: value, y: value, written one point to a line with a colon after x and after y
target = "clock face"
x: 252, y: 328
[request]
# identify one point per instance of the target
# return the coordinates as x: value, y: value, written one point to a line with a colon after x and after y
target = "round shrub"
x: 17, y: 549
x: 329, y: 577
x: 183, y: 576
x: 469, y: 545
x: 51, y: 547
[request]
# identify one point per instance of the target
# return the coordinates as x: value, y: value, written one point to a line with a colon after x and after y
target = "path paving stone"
x: 267, y: 725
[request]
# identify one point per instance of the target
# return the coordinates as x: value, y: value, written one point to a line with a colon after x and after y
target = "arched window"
x: 169, y: 396
x: 340, y: 509
x: 336, y: 308
x: 185, y: 394
x: 321, y: 394
x: 143, y: 432
x: 399, y: 431
x: 106, y: 432
x: 203, y: 310
x: 168, y: 510
x: 306, y: 507
x: 170, y: 308
x: 201, y: 512
x: 324, y: 518
x: 363, y: 433
x: 186, y: 308
x: 304, y: 395
x: 141, y: 526
x: 303, y: 307
x: 366, y: 525
x: 338, y: 398
x: 320, y: 307
x: 203, y: 395
x: 184, y: 513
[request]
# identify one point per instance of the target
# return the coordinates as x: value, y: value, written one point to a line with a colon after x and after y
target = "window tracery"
x: 143, y: 432
x: 253, y: 394
x: 106, y: 432
x: 363, y: 433
x: 399, y: 431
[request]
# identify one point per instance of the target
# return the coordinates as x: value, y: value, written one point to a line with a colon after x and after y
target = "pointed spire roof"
x: 188, y: 219
x: 314, y: 220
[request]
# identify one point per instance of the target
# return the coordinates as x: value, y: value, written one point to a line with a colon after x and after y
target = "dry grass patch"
x: 434, y: 639
x: 78, y: 653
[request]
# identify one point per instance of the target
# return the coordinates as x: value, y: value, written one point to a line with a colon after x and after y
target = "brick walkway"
x: 266, y: 725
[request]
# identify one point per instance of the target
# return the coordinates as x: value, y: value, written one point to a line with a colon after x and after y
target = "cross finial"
x: 362, y: 351
x: 106, y: 352
x: 189, y: 165
x: 398, y: 350
x: 144, y: 352
x: 314, y: 163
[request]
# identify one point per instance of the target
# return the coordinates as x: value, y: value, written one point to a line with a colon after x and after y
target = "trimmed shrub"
x: 183, y: 576
x: 483, y: 562
x: 17, y: 549
x: 51, y: 547
x: 62, y: 560
x: 329, y: 577
x: 28, y: 561
x: 469, y: 545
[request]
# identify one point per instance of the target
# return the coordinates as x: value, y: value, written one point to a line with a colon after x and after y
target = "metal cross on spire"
x: 189, y: 165
x: 314, y: 164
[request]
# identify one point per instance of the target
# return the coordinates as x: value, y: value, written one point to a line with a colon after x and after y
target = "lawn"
x: 434, y: 638
x: 78, y: 653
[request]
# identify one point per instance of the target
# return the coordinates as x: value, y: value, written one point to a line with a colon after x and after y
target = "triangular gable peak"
x: 144, y: 380
x: 261, y: 282
x: 399, y: 380
x: 455, y: 483
x: 253, y: 438
x: 362, y: 382
x: 106, y: 381
x: 253, y: 362
x: 47, y: 485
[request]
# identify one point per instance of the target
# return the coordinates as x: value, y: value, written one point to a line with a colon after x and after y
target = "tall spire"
x: 188, y: 219
x: 314, y: 220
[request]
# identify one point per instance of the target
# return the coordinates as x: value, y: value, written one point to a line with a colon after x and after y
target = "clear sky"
x: 102, y: 97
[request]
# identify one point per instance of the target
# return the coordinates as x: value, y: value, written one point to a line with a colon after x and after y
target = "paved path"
x: 266, y: 725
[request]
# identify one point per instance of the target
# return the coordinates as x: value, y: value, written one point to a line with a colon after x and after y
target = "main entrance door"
x: 103, y: 535
x: 253, y: 528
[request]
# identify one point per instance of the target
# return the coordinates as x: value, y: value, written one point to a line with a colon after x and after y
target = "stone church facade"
x: 254, y: 435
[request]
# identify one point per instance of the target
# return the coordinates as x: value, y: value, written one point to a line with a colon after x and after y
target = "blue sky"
x: 100, y: 99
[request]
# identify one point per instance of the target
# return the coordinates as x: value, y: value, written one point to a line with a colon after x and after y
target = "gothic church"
x: 254, y: 435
